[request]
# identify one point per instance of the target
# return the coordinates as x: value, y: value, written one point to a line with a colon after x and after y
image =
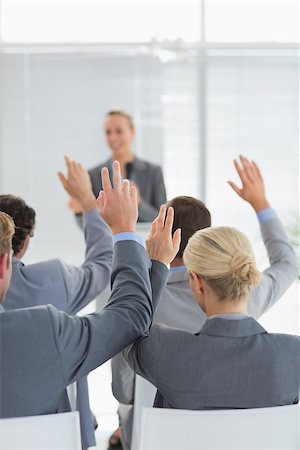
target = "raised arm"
x: 84, y: 283
x: 162, y: 246
x: 161, y: 249
x: 282, y: 271
x: 85, y: 343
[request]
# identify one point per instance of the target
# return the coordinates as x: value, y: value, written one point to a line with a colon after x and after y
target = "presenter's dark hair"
x: 191, y: 215
x: 23, y: 217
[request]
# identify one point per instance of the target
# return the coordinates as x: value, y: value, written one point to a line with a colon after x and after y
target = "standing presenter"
x: 146, y: 177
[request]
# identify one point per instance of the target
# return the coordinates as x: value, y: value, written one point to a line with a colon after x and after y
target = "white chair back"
x: 144, y: 395
x: 240, y: 429
x: 46, y: 432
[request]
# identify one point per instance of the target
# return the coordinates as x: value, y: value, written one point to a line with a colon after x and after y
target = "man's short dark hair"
x: 23, y: 216
x: 190, y: 215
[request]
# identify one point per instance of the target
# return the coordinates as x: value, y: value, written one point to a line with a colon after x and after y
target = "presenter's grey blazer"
x: 149, y: 179
x: 43, y: 350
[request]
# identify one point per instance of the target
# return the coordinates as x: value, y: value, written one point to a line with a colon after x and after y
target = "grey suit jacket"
x: 228, y: 364
x: 149, y: 179
x: 44, y: 350
x: 66, y: 287
x: 69, y: 289
x: 177, y: 307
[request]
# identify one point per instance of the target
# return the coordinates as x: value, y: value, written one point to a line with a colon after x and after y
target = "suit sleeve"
x: 148, y: 211
x: 143, y: 356
x: 277, y: 278
x: 123, y: 380
x: 86, y: 342
x: 84, y: 283
x: 159, y: 277
x: 123, y: 377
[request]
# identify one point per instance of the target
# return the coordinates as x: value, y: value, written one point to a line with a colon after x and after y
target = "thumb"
x: 176, y: 239
x: 235, y: 188
x: 101, y: 200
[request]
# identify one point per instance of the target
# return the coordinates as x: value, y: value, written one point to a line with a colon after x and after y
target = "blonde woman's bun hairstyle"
x: 224, y: 258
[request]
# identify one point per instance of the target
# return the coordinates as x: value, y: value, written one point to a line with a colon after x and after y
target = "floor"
x: 103, y: 404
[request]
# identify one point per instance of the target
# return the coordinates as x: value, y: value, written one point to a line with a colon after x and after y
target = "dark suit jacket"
x: 228, y: 364
x: 149, y: 179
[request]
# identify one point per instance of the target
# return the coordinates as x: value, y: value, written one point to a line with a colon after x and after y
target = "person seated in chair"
x: 43, y: 350
x: 232, y: 362
x: 177, y: 307
x: 67, y: 287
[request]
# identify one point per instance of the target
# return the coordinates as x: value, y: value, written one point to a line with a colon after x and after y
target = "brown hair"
x: 23, y: 216
x: 7, y: 230
x: 224, y: 258
x: 190, y: 215
x: 120, y: 112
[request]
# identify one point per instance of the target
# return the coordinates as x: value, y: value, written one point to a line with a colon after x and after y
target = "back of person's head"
x: 224, y: 258
x: 7, y: 230
x: 23, y: 217
x: 122, y: 113
x: 190, y: 215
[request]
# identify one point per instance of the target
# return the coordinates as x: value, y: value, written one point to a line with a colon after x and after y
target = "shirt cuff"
x: 266, y: 214
x: 177, y: 269
x: 128, y: 236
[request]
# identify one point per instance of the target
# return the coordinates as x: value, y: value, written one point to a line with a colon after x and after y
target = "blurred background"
x: 204, y: 81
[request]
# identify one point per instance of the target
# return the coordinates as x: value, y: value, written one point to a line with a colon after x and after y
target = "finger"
x: 153, y: 227
x: 176, y: 240
x: 106, y: 180
x: 257, y: 170
x: 67, y: 159
x: 133, y: 194
x: 101, y: 200
x: 235, y: 188
x: 69, y: 164
x: 126, y: 186
x: 169, y: 220
x: 241, y: 172
x: 117, y: 175
x: 247, y: 166
x: 62, y: 179
x: 161, y: 217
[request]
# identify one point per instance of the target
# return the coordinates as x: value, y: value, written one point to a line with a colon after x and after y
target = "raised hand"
x: 161, y: 245
x: 253, y: 189
x: 77, y: 184
x: 118, y: 204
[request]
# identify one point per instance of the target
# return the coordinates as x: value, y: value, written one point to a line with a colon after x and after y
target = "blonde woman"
x: 232, y: 362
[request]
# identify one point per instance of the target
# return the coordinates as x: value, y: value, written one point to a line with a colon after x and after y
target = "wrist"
x: 88, y: 203
x: 260, y: 205
x: 124, y: 229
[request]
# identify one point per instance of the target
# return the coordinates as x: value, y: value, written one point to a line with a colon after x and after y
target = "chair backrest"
x: 46, y: 432
x: 275, y: 428
x: 144, y: 395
